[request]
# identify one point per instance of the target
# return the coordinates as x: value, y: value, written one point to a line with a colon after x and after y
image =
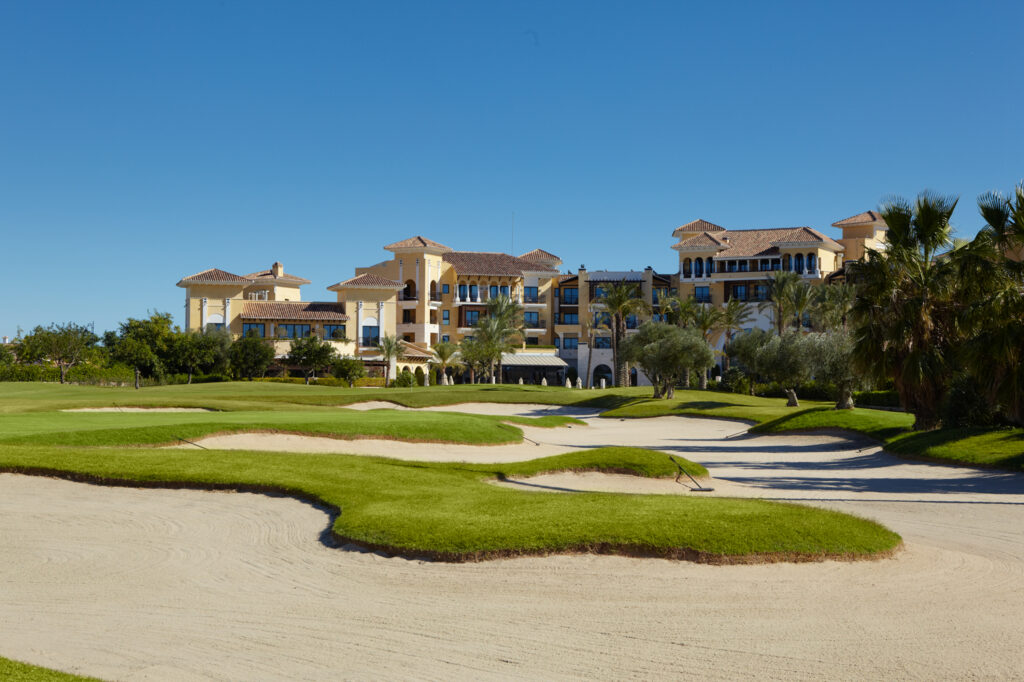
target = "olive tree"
x: 250, y: 356
x: 664, y: 352
x: 311, y: 354
x: 786, y: 359
x: 65, y: 345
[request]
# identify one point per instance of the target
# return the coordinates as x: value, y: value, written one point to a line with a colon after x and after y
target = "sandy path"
x: 155, y: 584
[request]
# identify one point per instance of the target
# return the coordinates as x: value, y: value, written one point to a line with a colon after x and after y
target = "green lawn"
x: 447, y: 511
x: 13, y: 671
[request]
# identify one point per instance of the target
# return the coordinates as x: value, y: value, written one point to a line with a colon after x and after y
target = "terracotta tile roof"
x: 417, y: 242
x: 268, y: 276
x: 213, y: 276
x: 698, y: 225
x: 859, y: 219
x: 567, y: 278
x: 414, y: 352
x: 483, y: 263
x: 757, y: 243
x: 541, y: 256
x: 294, y: 310
x: 367, y: 281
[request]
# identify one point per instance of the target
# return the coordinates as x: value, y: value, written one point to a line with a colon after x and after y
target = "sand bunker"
x: 138, y: 409
x: 161, y: 584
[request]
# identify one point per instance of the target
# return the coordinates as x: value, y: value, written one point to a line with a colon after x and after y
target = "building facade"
x: 427, y: 292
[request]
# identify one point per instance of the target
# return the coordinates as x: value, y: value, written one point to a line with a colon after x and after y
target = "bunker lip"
x: 338, y: 540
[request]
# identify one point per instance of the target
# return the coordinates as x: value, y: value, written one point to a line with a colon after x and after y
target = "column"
x: 188, y: 311
x: 227, y: 314
x: 359, y: 324
x: 202, y: 315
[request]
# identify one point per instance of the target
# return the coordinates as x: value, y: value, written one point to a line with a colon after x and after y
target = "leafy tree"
x: 746, y: 348
x: 476, y: 356
x: 620, y: 300
x: 905, y: 314
x: 802, y: 300
x: 786, y: 359
x: 250, y: 356
x: 191, y: 350
x: 6, y: 356
x: 832, y: 362
x: 143, y: 344
x: 664, y: 351
x: 832, y: 306
x: 65, y: 345
x: 348, y: 369
x: 136, y: 354
x: 391, y: 350
x: 779, y: 301
x: 708, y: 320
x: 310, y: 354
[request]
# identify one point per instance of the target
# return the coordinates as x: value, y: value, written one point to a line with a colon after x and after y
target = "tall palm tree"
x: 503, y: 323
x: 735, y: 315
x: 708, y: 320
x: 905, y: 325
x: 801, y: 301
x: 621, y: 300
x: 779, y: 298
x: 391, y: 350
x: 445, y: 356
x: 680, y: 309
x: 832, y: 305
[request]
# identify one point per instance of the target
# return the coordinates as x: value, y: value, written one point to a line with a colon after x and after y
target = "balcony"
x: 537, y: 326
x: 540, y: 299
x: 369, y: 341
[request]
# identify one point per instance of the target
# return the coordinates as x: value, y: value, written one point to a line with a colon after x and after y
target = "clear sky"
x: 141, y: 142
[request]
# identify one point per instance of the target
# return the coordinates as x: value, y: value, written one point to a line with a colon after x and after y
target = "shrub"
x: 966, y: 405
x: 377, y: 382
x: 735, y: 380
x: 405, y: 379
x: 877, y: 398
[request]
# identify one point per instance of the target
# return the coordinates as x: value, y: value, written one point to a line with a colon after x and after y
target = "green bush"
x: 735, y: 380
x: 377, y: 382
x: 405, y: 379
x: 876, y: 398
x: 965, y: 405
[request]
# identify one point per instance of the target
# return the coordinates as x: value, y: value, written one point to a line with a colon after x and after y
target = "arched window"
x: 410, y: 290
x: 711, y: 267
x: 433, y: 292
x: 811, y: 263
x: 686, y: 268
x: 633, y: 377
x: 602, y: 372
x: 698, y: 268
x: 798, y: 263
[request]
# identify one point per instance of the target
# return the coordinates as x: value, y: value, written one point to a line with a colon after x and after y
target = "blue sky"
x: 142, y: 141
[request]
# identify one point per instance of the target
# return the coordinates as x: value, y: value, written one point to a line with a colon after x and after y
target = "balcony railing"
x: 541, y: 298
x: 536, y: 324
x: 436, y: 298
x: 369, y: 341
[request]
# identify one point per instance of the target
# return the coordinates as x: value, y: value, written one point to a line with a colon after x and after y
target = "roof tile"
x: 484, y: 263
x: 754, y: 243
x: 214, y: 276
x: 699, y: 225
x: 417, y: 242
x: 859, y: 219
x: 367, y: 281
x: 294, y: 310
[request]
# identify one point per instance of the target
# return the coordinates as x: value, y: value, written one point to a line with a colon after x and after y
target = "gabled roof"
x: 414, y: 352
x: 485, y: 263
x: 417, y: 242
x: 615, y: 276
x: 318, y: 311
x: 367, y: 281
x: 698, y: 225
x: 268, y: 276
x: 542, y: 257
x: 755, y: 243
x: 860, y: 219
x: 213, y: 276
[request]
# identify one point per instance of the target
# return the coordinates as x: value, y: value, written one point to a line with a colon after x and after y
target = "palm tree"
x: 506, y: 322
x: 445, y: 356
x: 621, y: 300
x: 494, y: 336
x: 709, y: 320
x: 905, y: 325
x: 391, y: 350
x: 680, y: 309
x: 832, y: 305
x: 735, y: 315
x: 779, y: 299
x: 802, y: 298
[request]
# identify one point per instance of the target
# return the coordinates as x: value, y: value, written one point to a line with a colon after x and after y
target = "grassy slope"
x: 13, y: 671
x: 448, y: 511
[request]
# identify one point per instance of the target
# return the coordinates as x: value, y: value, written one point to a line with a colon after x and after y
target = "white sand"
x: 156, y: 584
x: 138, y: 409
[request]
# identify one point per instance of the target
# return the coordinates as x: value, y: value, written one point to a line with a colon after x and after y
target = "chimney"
x: 648, y: 268
x: 6, y: 338
x: 583, y: 268
x: 277, y: 270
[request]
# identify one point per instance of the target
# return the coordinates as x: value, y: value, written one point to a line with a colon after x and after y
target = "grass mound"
x: 13, y: 671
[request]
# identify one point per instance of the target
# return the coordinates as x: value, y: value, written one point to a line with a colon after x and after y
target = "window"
x: 472, y: 317
x: 761, y: 292
x: 446, y: 317
x: 445, y: 338
x: 445, y: 289
x: 570, y: 343
x: 602, y: 342
x: 558, y: 342
x: 603, y: 320
x: 532, y: 341
x: 740, y: 292
x: 408, y: 317
x: 462, y: 292
x: 504, y: 291
x: 702, y: 294
x: 632, y: 322
x: 371, y: 335
x: 698, y: 267
x: 811, y: 260
x: 254, y: 329
x: 214, y: 325
x: 334, y: 331
x: 570, y: 318
x: 599, y: 292
x: 530, y: 294
x: 744, y: 265
x: 292, y: 331
x: 532, y: 319
x: 494, y: 291
x: 571, y: 296
x: 474, y: 292
x: 468, y: 338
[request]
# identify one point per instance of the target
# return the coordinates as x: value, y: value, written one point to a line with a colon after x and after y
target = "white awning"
x: 532, y: 360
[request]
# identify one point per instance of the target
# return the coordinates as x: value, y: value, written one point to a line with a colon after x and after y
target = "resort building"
x: 428, y: 292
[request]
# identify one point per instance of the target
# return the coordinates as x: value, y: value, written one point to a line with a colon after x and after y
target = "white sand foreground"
x: 155, y: 584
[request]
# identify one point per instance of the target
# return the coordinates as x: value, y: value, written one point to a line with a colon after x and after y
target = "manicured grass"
x: 136, y: 428
x: 449, y: 512
x: 13, y: 671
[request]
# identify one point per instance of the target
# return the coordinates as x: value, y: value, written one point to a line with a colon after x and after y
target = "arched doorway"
x: 410, y: 291
x: 603, y: 372
x: 633, y: 377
